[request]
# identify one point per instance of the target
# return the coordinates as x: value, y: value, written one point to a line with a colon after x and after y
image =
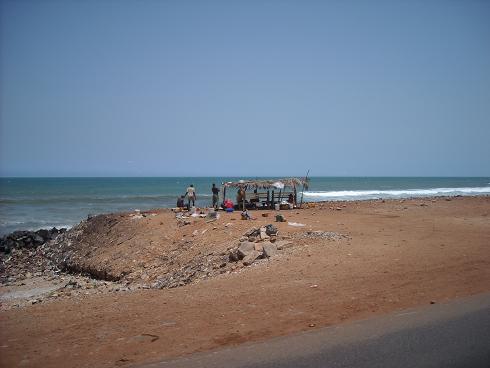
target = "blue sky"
x: 156, y: 88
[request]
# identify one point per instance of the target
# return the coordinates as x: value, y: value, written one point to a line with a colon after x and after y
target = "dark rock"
x: 270, y: 230
x: 44, y: 233
x: 234, y: 257
x: 37, y: 239
x: 254, y: 232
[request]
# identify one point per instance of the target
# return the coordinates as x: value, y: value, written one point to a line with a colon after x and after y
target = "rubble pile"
x: 22, y: 254
x: 27, y: 239
x: 257, y: 243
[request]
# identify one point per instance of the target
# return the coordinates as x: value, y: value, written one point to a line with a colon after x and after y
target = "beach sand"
x: 393, y: 255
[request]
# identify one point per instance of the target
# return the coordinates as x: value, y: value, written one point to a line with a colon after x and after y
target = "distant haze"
x: 249, y: 88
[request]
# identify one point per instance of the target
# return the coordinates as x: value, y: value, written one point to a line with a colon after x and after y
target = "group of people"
x: 240, y: 197
x: 192, y: 197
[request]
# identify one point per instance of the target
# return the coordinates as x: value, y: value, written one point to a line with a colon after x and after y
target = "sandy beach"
x: 350, y: 260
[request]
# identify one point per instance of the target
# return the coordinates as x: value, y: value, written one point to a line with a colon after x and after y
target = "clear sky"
x: 157, y: 88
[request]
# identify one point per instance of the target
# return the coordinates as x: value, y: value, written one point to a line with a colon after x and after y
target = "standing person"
x: 191, y: 196
x: 240, y: 198
x: 215, y: 196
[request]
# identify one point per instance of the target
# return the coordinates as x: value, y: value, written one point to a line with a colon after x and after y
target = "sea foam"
x: 398, y: 193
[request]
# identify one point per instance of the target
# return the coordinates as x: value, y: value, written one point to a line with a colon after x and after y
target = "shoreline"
x: 307, y: 203
x: 349, y: 261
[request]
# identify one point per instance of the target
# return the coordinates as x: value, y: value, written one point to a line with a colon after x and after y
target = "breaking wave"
x: 396, y: 193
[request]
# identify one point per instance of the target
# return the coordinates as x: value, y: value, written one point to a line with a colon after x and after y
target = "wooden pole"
x: 303, y: 188
x: 224, y: 193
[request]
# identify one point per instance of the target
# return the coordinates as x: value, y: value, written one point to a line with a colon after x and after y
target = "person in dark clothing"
x: 180, y: 202
x: 215, y: 196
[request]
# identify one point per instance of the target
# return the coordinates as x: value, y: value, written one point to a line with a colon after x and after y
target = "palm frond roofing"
x: 267, y: 183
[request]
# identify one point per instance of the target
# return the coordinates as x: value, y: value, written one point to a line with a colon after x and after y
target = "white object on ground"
x: 297, y: 224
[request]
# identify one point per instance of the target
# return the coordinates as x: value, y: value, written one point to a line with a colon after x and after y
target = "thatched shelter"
x: 276, y: 190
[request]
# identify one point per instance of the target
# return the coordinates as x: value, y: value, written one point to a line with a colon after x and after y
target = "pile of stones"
x: 28, y: 239
x: 257, y: 243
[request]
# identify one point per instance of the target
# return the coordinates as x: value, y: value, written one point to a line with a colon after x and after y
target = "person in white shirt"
x: 191, y: 196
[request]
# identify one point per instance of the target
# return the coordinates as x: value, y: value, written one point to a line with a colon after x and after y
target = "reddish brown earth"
x: 398, y: 254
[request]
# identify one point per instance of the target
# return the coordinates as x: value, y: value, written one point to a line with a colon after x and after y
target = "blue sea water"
x: 33, y: 203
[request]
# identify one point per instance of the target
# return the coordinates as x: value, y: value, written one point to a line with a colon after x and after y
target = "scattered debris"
x: 329, y: 235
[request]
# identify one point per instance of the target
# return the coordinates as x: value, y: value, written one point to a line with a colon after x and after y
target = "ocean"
x: 33, y: 203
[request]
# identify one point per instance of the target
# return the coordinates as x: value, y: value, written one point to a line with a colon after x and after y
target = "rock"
x: 280, y: 218
x: 233, y: 256
x: 44, y: 233
x: 243, y: 238
x: 270, y: 249
x: 258, y: 247
x: 245, y: 249
x: 252, y: 232
x: 251, y: 257
x: 271, y: 229
x: 37, y: 239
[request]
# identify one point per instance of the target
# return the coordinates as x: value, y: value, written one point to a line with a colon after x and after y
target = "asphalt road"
x: 454, y: 334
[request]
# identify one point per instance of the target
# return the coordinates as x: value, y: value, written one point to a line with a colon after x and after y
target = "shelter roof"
x: 267, y: 183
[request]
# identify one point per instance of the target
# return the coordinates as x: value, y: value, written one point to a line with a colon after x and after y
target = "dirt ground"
x: 395, y: 254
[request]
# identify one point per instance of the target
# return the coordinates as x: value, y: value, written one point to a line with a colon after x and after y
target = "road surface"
x: 454, y: 334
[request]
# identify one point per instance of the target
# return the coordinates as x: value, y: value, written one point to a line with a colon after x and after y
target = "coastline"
x: 389, y: 255
x: 37, y: 203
